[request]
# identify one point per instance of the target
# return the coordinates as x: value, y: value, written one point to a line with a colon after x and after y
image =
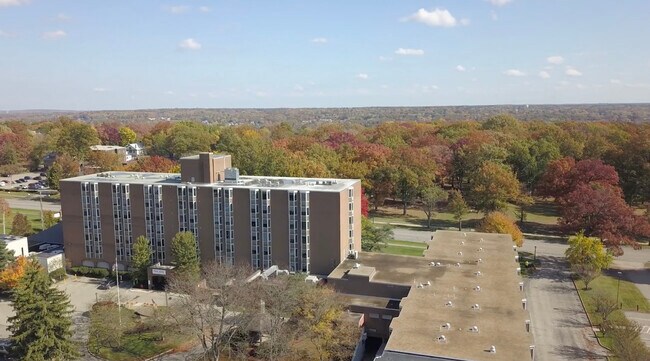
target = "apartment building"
x: 298, y: 224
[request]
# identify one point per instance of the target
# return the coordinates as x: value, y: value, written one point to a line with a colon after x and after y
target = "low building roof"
x: 7, y: 238
x: 106, y: 147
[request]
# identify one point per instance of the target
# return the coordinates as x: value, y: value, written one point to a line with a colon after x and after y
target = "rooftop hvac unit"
x: 231, y: 174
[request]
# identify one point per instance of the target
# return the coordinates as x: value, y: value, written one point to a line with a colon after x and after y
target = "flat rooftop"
x: 451, y: 298
x: 106, y: 147
x: 258, y: 182
x: 10, y: 238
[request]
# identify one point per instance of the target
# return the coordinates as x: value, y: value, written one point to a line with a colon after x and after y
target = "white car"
x: 3, y: 183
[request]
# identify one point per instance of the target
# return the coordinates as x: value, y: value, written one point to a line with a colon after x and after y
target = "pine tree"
x: 40, y: 329
x: 141, y: 259
x: 20, y: 226
x: 184, y: 251
x: 6, y: 256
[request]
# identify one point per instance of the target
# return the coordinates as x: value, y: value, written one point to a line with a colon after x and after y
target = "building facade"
x: 301, y: 225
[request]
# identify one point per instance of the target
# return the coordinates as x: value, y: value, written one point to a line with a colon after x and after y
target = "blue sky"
x: 92, y: 54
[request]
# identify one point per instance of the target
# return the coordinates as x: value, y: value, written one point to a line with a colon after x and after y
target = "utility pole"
x: 117, y: 284
x: 40, y: 198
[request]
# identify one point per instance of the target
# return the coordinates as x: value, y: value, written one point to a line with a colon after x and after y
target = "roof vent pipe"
x: 493, y: 349
x: 523, y: 303
x: 521, y: 286
x: 527, y: 325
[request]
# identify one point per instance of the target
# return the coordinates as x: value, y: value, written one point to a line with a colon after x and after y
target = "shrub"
x: 58, y: 274
x: 92, y: 272
x: 497, y: 222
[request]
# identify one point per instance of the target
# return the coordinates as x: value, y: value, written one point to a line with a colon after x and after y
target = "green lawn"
x: 34, y: 216
x: 402, y: 250
x: 629, y: 296
x: 407, y: 243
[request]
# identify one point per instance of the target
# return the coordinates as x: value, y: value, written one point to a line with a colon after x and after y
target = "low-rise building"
x: 17, y: 244
x: 133, y: 151
x: 119, y: 150
x: 50, y: 261
x: 464, y: 300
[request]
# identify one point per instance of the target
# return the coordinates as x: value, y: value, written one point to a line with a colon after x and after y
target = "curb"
x: 591, y: 324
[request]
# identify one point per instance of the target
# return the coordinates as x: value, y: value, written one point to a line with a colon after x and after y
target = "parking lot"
x: 34, y: 180
x: 643, y: 319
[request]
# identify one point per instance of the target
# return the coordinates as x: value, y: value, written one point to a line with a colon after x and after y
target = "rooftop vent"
x: 449, y: 304
x: 521, y: 286
x: 480, y: 249
x: 518, y: 270
x: 442, y: 339
x: 481, y: 240
x: 527, y: 325
x: 435, y: 264
x: 428, y: 283
x: 523, y: 303
x: 464, y: 234
x: 477, y: 288
x: 480, y: 260
x: 514, y: 248
x: 356, y: 265
x: 493, y: 349
x: 462, y: 243
x: 420, y: 285
x: 478, y: 273
x: 457, y: 264
x: 445, y: 326
x: 476, y: 306
x: 473, y: 329
x: 516, y: 258
x: 460, y: 253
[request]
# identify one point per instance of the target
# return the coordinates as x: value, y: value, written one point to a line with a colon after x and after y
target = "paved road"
x: 643, y: 319
x: 33, y: 204
x: 560, y: 326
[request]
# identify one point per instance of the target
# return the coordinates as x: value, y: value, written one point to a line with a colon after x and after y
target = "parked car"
x: 38, y: 177
x: 20, y: 180
x: 106, y: 285
x: 43, y: 174
x: 27, y: 177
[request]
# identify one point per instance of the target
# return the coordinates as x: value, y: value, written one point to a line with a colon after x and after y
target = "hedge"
x: 58, y: 274
x: 92, y: 272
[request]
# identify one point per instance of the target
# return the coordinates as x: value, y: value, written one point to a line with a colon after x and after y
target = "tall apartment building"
x: 298, y: 224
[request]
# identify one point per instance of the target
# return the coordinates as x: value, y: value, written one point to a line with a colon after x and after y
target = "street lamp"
x: 618, y: 287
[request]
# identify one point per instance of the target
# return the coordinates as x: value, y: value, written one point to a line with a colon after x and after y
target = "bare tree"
x: 604, y: 306
x: 216, y: 311
x: 626, y: 341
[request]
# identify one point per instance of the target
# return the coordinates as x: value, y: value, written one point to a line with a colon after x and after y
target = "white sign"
x: 161, y: 272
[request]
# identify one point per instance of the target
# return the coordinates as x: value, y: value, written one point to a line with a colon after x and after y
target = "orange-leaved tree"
x: 10, y: 276
x: 498, y: 222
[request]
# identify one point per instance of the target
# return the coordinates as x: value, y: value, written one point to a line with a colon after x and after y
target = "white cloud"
x: 4, y: 3
x: 63, y: 17
x: 615, y: 81
x: 189, y: 44
x: 298, y: 88
x: 408, y: 51
x: 99, y: 90
x: 362, y: 76
x: 384, y: 86
x: 499, y: 2
x: 544, y: 74
x: 53, y: 35
x: 460, y: 68
x: 514, y: 72
x: 385, y: 58
x: 572, y: 72
x: 177, y: 9
x: 204, y: 9
x: 555, y: 59
x: 319, y: 40
x: 435, y: 17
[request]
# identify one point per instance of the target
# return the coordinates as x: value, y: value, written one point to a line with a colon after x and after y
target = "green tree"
x: 6, y: 256
x: 48, y: 219
x: 21, y: 226
x: 430, y: 197
x: 374, y: 238
x: 492, y: 186
x: 41, y: 327
x: 458, y: 207
x: 587, y: 256
x: 185, y: 254
x: 407, y: 186
x: 127, y: 136
x: 76, y: 138
x: 141, y: 259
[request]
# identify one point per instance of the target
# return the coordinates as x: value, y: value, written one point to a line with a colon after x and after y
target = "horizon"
x: 96, y: 56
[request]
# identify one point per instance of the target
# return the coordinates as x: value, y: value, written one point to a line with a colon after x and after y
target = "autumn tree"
x: 6, y: 211
x: 492, y: 186
x: 48, y: 219
x: 626, y: 341
x: 13, y: 272
x: 140, y: 259
x: 184, y: 251
x: 64, y: 167
x: 20, y: 226
x: 41, y: 325
x: 76, y: 138
x: 382, y: 184
x: 604, y: 306
x: 101, y: 161
x: 497, y: 222
x: 373, y: 238
x: 127, y: 136
x: 430, y: 197
x: 155, y: 164
x: 587, y: 256
x: 457, y: 207
x: 406, y: 187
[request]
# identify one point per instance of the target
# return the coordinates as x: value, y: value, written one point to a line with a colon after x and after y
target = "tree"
x: 41, y: 327
x: 406, y: 187
x: 104, y: 331
x: 382, y: 182
x: 430, y: 197
x: 20, y: 226
x: 626, y: 341
x: 127, y: 136
x: 6, y: 257
x: 140, y: 259
x: 604, y: 306
x: 12, y: 273
x: 374, y: 238
x: 76, y: 138
x: 102, y: 161
x: 6, y: 211
x: 48, y: 219
x: 565, y: 175
x: 216, y: 312
x: 457, y: 207
x: 492, y: 186
x: 185, y: 254
x: 154, y: 163
x: 523, y: 201
x: 587, y: 256
x: 497, y: 222
x: 600, y: 210
x: 64, y: 167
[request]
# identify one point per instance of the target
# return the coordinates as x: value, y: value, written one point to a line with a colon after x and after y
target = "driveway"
x: 559, y: 324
